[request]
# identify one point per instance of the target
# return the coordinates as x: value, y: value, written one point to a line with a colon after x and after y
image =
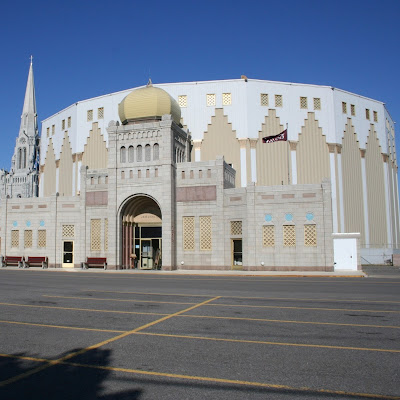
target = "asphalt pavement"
x: 97, y: 335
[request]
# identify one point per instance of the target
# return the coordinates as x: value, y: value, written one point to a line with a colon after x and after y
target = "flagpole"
x: 288, y: 150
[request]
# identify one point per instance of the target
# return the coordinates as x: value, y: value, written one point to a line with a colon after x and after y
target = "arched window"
x: 19, y: 156
x: 139, y: 153
x: 130, y: 154
x: 147, y: 153
x: 24, y: 158
x: 123, y: 155
x: 156, y: 152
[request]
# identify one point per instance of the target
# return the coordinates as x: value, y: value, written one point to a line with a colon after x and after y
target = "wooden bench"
x: 95, y: 262
x: 12, y: 260
x: 37, y: 262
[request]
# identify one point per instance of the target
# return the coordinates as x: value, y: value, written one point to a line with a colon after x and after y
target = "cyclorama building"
x: 178, y: 175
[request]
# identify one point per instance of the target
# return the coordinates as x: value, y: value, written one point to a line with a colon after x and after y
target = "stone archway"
x: 141, y: 234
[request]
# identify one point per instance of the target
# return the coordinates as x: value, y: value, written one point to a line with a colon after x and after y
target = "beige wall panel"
x: 95, y: 155
x: 339, y: 211
x: 219, y: 140
x: 375, y: 191
x: 49, y: 184
x: 312, y: 153
x: 391, y: 199
x: 352, y: 183
x: 272, y: 158
x: 396, y: 210
x: 66, y: 170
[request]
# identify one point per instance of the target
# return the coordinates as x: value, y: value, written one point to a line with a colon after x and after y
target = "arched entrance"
x: 141, y: 233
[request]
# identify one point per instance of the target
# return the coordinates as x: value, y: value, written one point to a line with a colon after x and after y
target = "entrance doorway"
x: 141, y: 234
x: 68, y: 254
x: 237, y: 255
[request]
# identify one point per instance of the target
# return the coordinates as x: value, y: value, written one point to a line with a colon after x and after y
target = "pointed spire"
x: 29, y: 116
x: 149, y: 83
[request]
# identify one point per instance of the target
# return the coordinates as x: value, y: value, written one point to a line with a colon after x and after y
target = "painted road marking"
x: 61, y: 326
x: 321, y: 346
x: 97, y: 345
x: 244, y: 297
x: 212, y: 380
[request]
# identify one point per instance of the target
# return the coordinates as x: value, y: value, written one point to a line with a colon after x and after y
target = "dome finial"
x: 149, y: 83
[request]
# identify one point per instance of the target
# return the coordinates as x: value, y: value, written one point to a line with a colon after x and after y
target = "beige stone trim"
x: 197, y: 144
x: 362, y: 152
x: 332, y: 147
x: 242, y: 143
x: 339, y: 149
x: 385, y: 157
x: 253, y: 143
x: 57, y: 163
x: 293, y: 145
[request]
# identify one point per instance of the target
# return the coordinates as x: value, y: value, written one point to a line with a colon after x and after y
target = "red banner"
x: 277, y: 138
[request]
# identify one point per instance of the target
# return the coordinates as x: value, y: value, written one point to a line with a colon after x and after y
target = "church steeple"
x: 29, y: 115
x: 23, y: 178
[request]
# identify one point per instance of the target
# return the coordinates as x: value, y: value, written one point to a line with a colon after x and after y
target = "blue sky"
x: 84, y: 49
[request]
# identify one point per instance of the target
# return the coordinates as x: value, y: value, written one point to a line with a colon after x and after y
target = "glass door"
x: 68, y: 254
x: 146, y: 254
x: 237, y: 260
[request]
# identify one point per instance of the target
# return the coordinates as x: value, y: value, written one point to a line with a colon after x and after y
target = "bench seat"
x: 36, y: 261
x: 95, y: 262
x: 12, y: 260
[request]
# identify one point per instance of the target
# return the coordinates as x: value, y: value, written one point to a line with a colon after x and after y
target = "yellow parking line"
x: 211, y: 380
x: 234, y: 381
x: 97, y: 345
x: 244, y: 297
x: 318, y: 346
x: 123, y: 300
x: 290, y: 321
x: 302, y: 308
x: 82, y: 309
x: 61, y: 326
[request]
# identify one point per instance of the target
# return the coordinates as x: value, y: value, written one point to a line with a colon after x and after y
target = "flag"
x: 276, y: 138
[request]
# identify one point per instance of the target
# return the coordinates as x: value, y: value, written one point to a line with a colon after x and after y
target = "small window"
x: 156, y: 151
x: 147, y: 152
x: 139, y: 153
x: 53, y: 129
x: 375, y: 116
x: 200, y: 173
x: 264, y: 99
x: 226, y: 99
x: 139, y: 173
x: 147, y: 173
x: 63, y: 124
x: 90, y: 115
x: 353, y: 110
x: 69, y: 122
x: 183, y: 174
x: 367, y: 113
x: 303, y: 102
x: 278, y: 100
x: 100, y: 113
x: 344, y: 107
x: 48, y: 132
x: 211, y: 101
x: 123, y: 155
x: 182, y: 101
x: 122, y: 174
x: 131, y: 152
x: 131, y: 174
x: 156, y: 172
x: 317, y: 103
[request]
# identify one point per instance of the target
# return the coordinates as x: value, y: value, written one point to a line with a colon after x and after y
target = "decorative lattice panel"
x: 182, y: 101
x: 375, y: 116
x: 69, y: 122
x: 317, y: 103
x: 68, y: 231
x: 303, y: 102
x: 95, y: 234
x: 278, y: 100
x: 226, y: 99
x: 188, y: 234
x: 205, y: 234
x: 100, y: 113
x: 15, y: 238
x: 264, y: 99
x: 344, y: 108
x: 90, y: 115
x: 106, y: 234
x: 236, y: 227
x: 367, y: 113
x: 310, y: 235
x: 41, y: 238
x: 268, y: 235
x: 353, y: 109
x: 289, y: 236
x: 211, y: 100
x: 28, y: 239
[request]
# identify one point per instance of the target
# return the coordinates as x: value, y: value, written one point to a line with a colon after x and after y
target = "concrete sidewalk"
x: 335, y: 274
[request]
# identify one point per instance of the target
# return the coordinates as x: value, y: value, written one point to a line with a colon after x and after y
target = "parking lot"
x: 100, y: 335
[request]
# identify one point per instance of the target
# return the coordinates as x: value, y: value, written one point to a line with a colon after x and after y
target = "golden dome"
x: 148, y: 103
